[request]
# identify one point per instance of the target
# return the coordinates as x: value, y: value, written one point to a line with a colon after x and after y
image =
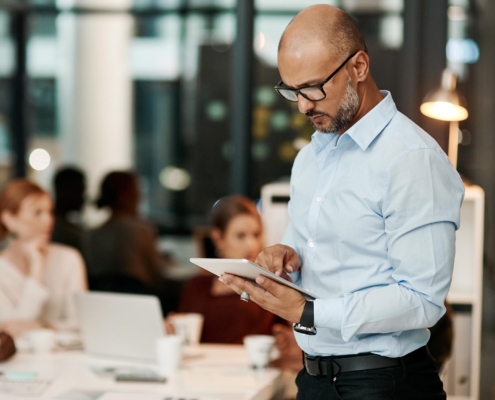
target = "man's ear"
x: 8, y: 220
x: 361, y: 66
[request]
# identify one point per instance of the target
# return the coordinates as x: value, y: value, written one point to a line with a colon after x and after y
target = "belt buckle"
x: 312, y: 365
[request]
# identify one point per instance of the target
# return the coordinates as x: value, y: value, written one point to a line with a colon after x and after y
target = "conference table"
x: 210, y: 372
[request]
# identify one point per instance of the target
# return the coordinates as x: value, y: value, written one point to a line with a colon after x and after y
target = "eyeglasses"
x: 313, y: 92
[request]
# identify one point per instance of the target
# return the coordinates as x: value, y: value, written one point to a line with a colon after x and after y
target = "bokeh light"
x: 176, y: 179
x: 39, y: 159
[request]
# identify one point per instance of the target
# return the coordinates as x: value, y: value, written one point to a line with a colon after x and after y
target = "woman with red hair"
x: 38, y: 278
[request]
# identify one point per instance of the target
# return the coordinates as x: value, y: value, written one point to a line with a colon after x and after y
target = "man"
x: 374, y: 207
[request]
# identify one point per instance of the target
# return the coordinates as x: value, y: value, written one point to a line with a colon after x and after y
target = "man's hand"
x: 281, y: 300
x: 280, y: 260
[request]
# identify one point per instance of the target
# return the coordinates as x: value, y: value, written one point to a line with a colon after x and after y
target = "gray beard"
x: 345, y: 113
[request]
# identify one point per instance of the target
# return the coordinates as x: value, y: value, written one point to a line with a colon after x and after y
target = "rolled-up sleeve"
x: 421, y: 212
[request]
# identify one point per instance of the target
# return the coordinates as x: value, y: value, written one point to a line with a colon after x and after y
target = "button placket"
x: 328, y: 164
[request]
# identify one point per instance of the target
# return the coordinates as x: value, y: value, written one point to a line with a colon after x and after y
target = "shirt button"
x: 311, y: 244
x: 319, y: 199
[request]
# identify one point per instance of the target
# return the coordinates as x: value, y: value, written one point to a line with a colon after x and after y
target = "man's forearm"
x: 385, y: 309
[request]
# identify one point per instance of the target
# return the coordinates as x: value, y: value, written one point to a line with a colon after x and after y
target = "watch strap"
x: 308, y: 315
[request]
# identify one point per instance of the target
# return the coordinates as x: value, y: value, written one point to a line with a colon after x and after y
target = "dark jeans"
x: 413, y: 381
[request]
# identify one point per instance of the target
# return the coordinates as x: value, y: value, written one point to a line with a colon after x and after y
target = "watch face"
x: 306, y: 330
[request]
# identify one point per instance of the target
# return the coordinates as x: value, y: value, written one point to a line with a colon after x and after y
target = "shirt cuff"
x: 328, y: 313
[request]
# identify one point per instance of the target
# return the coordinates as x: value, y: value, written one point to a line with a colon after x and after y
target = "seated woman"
x: 236, y: 233
x: 121, y: 254
x: 38, y: 278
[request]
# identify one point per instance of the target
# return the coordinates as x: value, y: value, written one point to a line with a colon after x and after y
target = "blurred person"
x: 69, y: 188
x: 290, y: 356
x: 38, y: 278
x: 289, y: 360
x: 121, y: 254
x: 236, y: 233
x: 442, y: 337
x: 7, y: 346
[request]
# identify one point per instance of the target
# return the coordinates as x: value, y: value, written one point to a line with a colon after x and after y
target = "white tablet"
x: 244, y: 269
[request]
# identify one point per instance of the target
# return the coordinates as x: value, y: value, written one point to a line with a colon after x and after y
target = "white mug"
x: 258, y: 349
x: 169, y: 353
x: 42, y: 340
x: 188, y: 326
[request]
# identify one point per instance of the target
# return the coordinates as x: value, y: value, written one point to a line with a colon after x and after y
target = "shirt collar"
x: 366, y: 129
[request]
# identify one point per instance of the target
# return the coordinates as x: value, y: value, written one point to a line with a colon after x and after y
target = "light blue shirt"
x: 373, y: 219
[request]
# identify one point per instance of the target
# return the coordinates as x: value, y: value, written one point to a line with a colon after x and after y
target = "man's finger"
x: 239, y: 285
x: 233, y: 283
x: 285, y: 276
x: 292, y: 263
x: 277, y: 263
x: 260, y: 259
x: 275, y: 289
x: 269, y: 262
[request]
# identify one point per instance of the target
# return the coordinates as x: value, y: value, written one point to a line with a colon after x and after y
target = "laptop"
x: 120, y: 325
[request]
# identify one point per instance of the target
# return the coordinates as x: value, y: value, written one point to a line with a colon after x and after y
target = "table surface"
x: 211, y: 371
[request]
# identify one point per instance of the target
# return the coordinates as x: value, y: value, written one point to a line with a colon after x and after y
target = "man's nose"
x: 304, y: 105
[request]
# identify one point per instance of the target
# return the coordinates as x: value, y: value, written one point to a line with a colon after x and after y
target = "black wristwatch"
x: 307, y: 323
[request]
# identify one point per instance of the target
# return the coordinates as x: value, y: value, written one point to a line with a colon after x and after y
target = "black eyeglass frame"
x: 319, y: 86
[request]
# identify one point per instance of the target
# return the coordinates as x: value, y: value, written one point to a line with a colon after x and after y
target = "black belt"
x: 318, y: 366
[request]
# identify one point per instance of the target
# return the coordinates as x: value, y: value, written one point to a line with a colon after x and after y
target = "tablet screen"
x: 245, y: 269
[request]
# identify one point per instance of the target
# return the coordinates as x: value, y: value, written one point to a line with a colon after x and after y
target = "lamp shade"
x: 445, y: 103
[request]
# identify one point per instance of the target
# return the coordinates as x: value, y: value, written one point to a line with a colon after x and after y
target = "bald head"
x: 333, y: 28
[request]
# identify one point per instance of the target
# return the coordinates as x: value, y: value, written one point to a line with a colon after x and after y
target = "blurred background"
x: 154, y: 79
x: 181, y: 91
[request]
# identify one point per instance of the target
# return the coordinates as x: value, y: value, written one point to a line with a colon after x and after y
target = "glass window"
x: 279, y: 130
x: 462, y: 52
x: 180, y: 60
x: 289, y: 5
x: 461, y: 49
x: 41, y: 94
x: 181, y: 115
x: 42, y: 2
x: 185, y: 4
x: 7, y: 64
x: 355, y: 6
x: 212, y: 3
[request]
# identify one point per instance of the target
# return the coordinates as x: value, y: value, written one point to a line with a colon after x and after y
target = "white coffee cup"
x: 188, y: 326
x: 42, y: 340
x: 258, y: 349
x: 169, y: 353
